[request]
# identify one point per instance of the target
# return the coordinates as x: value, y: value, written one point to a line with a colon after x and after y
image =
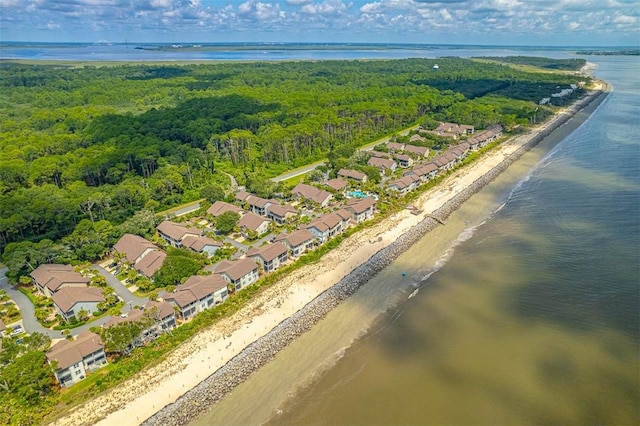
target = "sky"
x: 492, y: 22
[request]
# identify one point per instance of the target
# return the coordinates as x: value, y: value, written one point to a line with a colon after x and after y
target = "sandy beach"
x: 148, y: 392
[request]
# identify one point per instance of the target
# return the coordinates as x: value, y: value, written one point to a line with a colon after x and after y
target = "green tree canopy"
x: 226, y: 222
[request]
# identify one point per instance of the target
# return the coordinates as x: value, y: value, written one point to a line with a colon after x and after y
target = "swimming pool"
x: 356, y: 194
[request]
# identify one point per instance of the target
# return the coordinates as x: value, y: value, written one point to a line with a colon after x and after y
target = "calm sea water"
x: 237, y: 52
x: 530, y: 316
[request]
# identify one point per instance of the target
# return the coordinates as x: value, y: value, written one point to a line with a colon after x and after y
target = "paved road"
x: 297, y: 172
x: 310, y: 167
x: 125, y: 294
x: 29, y: 322
x: 239, y: 246
x: 31, y: 325
x: 186, y: 210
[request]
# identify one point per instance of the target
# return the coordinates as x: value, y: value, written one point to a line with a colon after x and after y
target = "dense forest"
x: 85, y: 148
x: 572, y: 64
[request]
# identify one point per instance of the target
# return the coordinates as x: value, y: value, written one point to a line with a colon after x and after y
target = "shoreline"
x: 240, y: 345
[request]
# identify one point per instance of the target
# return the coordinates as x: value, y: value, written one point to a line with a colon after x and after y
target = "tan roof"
x: 401, y: 183
x: 236, y: 269
x: 360, y: 205
x: 149, y: 264
x: 133, y: 315
x: 268, y: 252
x: 402, y: 157
x: 425, y: 169
x: 353, y: 174
x: 311, y: 193
x: 177, y: 231
x: 242, y: 195
x: 380, y: 162
x: 281, y: 211
x: 457, y: 129
x: 394, y: 146
x: 53, y: 276
x: 220, y: 207
x: 67, y: 297
x: 44, y: 272
x: 2, y: 326
x: 380, y: 154
x: 330, y: 220
x: 164, y: 309
x: 337, y: 184
x: 254, y: 200
x: 414, y: 138
x: 420, y: 150
x: 296, y: 238
x: 252, y: 221
x: 343, y: 214
x: 68, y: 353
x: 132, y: 246
x: 198, y: 243
x: 196, y: 287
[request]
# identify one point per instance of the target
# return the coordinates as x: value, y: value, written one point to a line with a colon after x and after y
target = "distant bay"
x: 152, y: 52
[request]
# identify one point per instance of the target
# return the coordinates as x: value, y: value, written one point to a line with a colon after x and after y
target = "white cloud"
x: 464, y: 21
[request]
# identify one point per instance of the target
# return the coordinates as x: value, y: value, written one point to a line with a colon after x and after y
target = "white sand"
x: 146, y: 393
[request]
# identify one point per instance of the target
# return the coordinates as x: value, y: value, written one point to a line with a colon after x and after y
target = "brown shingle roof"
x: 394, y: 146
x: 353, y: 174
x: 380, y: 162
x: 236, y: 269
x: 198, y: 243
x: 53, y: 276
x: 252, y: 221
x: 311, y: 193
x: 220, y: 207
x: 180, y: 298
x: 132, y: 246
x: 296, y: 238
x: 360, y: 205
x: 255, y: 201
x: 68, y: 353
x: 337, y: 184
x: 268, y: 252
x: 149, y: 264
x: 176, y: 231
x: 403, y: 157
x: 132, y: 316
x: 66, y: 297
x: 164, y: 308
x: 242, y: 195
x: 281, y: 211
x: 419, y: 150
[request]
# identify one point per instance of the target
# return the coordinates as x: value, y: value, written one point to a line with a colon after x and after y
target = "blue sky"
x: 502, y: 22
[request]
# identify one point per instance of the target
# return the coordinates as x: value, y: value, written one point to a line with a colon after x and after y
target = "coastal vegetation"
x: 103, y: 143
x: 85, y: 165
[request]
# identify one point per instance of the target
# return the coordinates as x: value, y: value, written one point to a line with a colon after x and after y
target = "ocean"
x: 522, y: 309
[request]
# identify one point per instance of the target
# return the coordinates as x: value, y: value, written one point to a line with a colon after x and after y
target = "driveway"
x: 31, y: 325
x: 29, y: 322
x: 125, y: 294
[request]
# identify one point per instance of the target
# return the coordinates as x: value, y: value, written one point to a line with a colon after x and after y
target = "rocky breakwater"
x: 211, y: 390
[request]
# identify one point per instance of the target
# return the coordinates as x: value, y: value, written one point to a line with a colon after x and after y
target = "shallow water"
x: 530, y: 316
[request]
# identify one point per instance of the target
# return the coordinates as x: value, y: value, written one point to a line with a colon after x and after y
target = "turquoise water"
x: 530, y: 316
x: 357, y: 194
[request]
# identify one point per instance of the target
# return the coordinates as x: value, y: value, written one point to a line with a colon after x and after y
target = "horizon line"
x: 312, y: 43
